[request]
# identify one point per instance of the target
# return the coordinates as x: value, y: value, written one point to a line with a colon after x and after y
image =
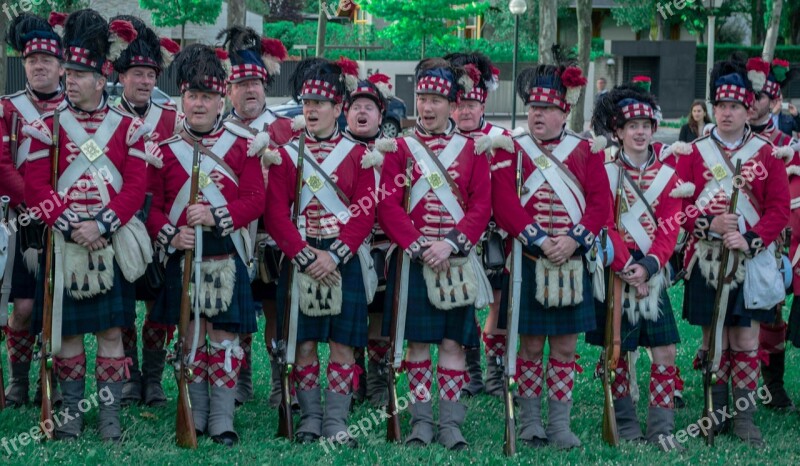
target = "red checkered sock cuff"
x: 621, y: 384
x: 420, y: 378
x: 224, y: 364
x: 112, y: 370
x: 745, y: 368
x: 772, y: 338
x: 70, y: 369
x: 663, y: 381
x: 450, y: 383
x: 343, y: 378
x: 494, y: 345
x: 724, y: 371
x: 19, y: 345
x: 154, y: 336
x: 306, y: 377
x: 200, y: 365
x: 129, y: 338
x: 560, y: 379
x: 530, y: 378
x: 376, y: 350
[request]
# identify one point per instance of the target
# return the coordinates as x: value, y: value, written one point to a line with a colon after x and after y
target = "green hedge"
x: 337, y: 34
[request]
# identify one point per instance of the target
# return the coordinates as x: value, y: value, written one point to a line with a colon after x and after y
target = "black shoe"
x: 306, y: 437
x: 228, y: 439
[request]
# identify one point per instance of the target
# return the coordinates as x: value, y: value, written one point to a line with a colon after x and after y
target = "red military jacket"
x: 772, y: 134
x: 765, y: 179
x: 486, y: 129
x: 356, y: 182
x: 544, y: 213
x: 81, y: 200
x: 242, y: 188
x: 429, y: 218
x: 662, y: 229
x: 16, y: 111
x: 279, y: 128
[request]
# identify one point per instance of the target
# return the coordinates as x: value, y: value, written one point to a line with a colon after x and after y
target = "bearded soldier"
x: 642, y: 253
x: 41, y: 51
x: 139, y: 67
x: 101, y: 179
x: 329, y: 252
x: 364, y: 109
x: 231, y: 195
x: 761, y: 214
x: 256, y: 61
x: 471, y: 121
x: 449, y: 210
x: 772, y: 336
x: 563, y: 206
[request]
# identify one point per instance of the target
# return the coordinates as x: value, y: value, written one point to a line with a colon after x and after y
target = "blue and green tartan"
x: 698, y: 305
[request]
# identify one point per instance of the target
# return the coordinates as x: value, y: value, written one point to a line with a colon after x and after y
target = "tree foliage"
x: 44, y: 8
x: 425, y: 20
x: 170, y: 13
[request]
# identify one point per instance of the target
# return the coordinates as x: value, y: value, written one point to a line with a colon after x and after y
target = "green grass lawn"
x: 149, y: 433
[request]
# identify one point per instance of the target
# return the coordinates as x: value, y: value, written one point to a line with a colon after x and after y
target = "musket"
x: 611, y: 338
x: 185, y: 434
x: 286, y: 348
x: 46, y: 355
x: 512, y: 332
x: 4, y: 206
x: 724, y: 280
x: 398, y: 325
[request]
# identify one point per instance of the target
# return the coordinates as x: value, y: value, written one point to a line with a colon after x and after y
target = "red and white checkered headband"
x: 550, y: 96
x: 141, y: 60
x: 210, y: 84
x: 477, y: 93
x: 772, y: 89
x: 731, y: 92
x: 638, y: 110
x: 434, y: 85
x: 83, y: 57
x: 247, y: 71
x: 316, y: 88
x: 46, y: 46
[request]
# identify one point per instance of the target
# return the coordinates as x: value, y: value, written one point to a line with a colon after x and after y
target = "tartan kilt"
x: 23, y: 282
x: 645, y: 333
x: 115, y: 308
x: 534, y: 319
x: 793, y: 329
x: 425, y: 323
x: 240, y: 316
x: 347, y: 328
x: 698, y: 305
x: 378, y: 303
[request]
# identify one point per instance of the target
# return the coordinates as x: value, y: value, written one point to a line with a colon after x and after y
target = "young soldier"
x: 231, y: 197
x: 564, y: 204
x: 762, y: 213
x: 101, y: 181
x: 470, y: 120
x: 772, y: 336
x: 40, y: 48
x: 642, y: 251
x: 333, y: 301
x: 139, y: 67
x: 364, y: 109
x: 450, y: 206
x: 256, y: 61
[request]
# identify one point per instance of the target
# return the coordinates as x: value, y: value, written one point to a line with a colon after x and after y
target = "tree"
x: 170, y: 13
x: 423, y: 20
x: 44, y: 8
x: 237, y: 13
x: 583, y: 9
x: 772, y: 31
x: 3, y: 58
x: 757, y: 25
x: 790, y: 23
x: 548, y: 21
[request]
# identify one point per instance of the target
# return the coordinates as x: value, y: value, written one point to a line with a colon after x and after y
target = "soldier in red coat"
x: 563, y: 206
x: 256, y: 61
x: 772, y: 336
x: 470, y: 120
x: 449, y: 209
x: 231, y: 196
x: 101, y: 181
x: 364, y: 109
x: 33, y: 38
x: 139, y: 67
x: 326, y: 245
x: 641, y: 257
x: 762, y: 213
